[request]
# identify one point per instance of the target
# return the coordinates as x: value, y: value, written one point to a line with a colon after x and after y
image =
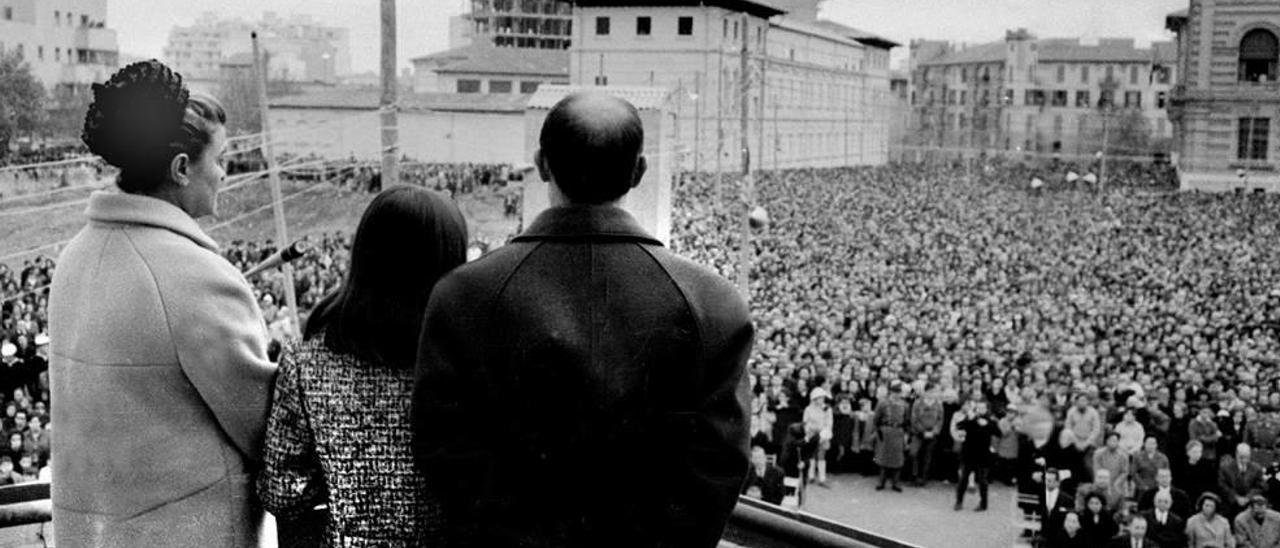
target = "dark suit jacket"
x: 1123, y: 541
x: 583, y: 386
x: 1173, y: 533
x: 1052, y: 513
x: 771, y: 484
x: 1234, y: 483
x: 1181, y: 501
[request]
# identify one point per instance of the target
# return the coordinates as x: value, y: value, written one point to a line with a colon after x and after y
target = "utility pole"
x: 273, y: 176
x: 697, y: 122
x: 390, y: 89
x: 744, y: 267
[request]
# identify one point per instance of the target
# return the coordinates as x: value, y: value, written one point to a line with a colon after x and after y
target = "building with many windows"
x: 1056, y: 96
x: 527, y: 24
x: 1226, y: 104
x: 813, y: 90
x: 485, y: 68
x: 66, y: 43
x: 298, y: 49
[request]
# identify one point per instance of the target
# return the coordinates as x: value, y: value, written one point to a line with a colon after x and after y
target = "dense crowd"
x: 915, y: 319
x: 24, y: 365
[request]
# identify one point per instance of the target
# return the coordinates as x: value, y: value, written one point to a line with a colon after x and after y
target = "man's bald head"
x: 590, y: 146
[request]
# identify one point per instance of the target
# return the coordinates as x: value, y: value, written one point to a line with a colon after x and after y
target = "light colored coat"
x: 162, y: 383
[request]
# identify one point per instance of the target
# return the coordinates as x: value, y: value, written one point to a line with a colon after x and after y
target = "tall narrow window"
x: 1253, y: 139
x: 643, y: 25
x: 602, y: 26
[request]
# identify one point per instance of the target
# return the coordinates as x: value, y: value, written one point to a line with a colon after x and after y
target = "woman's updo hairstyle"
x: 144, y: 116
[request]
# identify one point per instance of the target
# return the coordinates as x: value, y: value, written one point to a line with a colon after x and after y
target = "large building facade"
x: 1051, y: 96
x: 298, y: 48
x: 813, y: 91
x: 67, y: 43
x: 1226, y: 104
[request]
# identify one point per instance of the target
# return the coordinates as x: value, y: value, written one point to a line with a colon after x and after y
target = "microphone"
x: 287, y: 255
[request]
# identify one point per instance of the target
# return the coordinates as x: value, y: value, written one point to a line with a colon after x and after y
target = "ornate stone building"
x: 1226, y: 101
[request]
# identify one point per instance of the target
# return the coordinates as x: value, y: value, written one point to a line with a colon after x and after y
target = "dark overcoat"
x: 583, y: 386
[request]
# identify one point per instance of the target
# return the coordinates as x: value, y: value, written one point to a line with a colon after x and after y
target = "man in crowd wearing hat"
x: 818, y: 429
x: 1259, y: 527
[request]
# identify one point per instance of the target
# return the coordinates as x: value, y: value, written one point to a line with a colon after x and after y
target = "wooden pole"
x: 277, y: 200
x: 744, y: 267
x: 390, y: 88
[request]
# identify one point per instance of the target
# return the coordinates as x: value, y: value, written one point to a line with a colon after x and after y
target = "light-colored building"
x: 298, y: 48
x: 485, y: 68
x: 434, y: 127
x: 66, y: 42
x: 1226, y: 104
x: 811, y: 88
x: 1056, y: 96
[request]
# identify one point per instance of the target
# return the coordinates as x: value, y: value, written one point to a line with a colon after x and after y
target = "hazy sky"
x: 144, y: 25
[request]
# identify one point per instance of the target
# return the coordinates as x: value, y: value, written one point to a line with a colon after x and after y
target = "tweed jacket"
x: 582, y: 386
x: 159, y: 371
x: 338, y: 435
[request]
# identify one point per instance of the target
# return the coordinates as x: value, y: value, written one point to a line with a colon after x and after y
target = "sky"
x: 423, y: 26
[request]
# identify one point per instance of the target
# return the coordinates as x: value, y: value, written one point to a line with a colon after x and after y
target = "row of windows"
x: 644, y: 26
x: 70, y: 19
x: 979, y: 122
x: 1057, y: 98
x: 496, y: 86
x: 1159, y: 74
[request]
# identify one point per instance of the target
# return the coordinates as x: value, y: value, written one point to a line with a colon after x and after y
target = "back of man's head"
x: 590, y: 147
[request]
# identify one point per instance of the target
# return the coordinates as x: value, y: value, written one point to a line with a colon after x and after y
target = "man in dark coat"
x: 1164, y: 484
x: 765, y: 478
x: 1238, y: 478
x: 1165, y: 525
x: 975, y: 453
x: 583, y: 386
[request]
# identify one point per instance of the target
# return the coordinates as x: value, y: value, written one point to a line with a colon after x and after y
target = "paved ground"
x: 921, y: 516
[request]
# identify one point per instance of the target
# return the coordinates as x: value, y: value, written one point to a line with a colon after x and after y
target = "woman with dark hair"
x: 1208, y: 529
x: 159, y: 354
x: 339, y: 431
x: 1097, y: 525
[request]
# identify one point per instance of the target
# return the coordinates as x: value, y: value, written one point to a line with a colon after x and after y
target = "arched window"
x: 1259, y: 55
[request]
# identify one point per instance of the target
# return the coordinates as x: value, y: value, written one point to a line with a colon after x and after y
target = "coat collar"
x: 121, y: 207
x: 586, y: 222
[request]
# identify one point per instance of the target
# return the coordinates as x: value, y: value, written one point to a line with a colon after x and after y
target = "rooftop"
x: 486, y: 58
x: 863, y: 36
x: 1061, y: 50
x: 365, y: 98
x: 758, y: 8
x: 643, y: 98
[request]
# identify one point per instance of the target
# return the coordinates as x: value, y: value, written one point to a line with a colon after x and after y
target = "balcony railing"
x: 753, y: 524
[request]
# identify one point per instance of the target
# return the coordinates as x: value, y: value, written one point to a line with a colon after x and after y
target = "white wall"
x: 426, y: 136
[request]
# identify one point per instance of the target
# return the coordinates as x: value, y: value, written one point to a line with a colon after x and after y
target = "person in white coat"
x: 159, y: 352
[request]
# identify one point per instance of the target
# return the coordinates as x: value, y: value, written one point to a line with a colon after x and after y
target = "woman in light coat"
x: 159, y: 354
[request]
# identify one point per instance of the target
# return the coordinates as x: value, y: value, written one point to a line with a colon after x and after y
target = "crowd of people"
x: 24, y: 365
x: 938, y: 322
x: 943, y: 322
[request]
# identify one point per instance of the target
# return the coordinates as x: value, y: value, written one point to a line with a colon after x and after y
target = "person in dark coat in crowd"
x: 1055, y: 503
x: 1198, y: 474
x: 1164, y: 525
x: 764, y: 480
x: 1070, y: 535
x: 891, y: 423
x: 1238, y: 478
x: 1136, y: 536
x: 975, y: 453
x: 582, y: 348
x: 1180, y: 501
x: 1096, y: 522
